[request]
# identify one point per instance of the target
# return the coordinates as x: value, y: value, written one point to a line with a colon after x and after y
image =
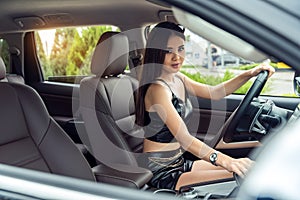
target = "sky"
x: 47, y: 38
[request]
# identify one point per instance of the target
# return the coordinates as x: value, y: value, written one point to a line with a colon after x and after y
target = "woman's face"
x: 175, y: 54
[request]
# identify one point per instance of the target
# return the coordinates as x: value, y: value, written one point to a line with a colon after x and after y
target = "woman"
x: 163, y: 108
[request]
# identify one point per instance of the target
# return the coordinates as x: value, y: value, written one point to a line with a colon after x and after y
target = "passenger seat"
x: 9, y: 77
x: 31, y: 138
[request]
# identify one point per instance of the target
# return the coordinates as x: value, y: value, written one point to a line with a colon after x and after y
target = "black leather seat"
x: 30, y: 138
x: 107, y: 103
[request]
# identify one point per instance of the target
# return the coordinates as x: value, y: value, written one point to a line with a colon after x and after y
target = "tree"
x: 44, y: 61
x: 4, y: 52
x: 72, y: 50
x: 75, y: 55
x: 62, y: 42
x: 82, y: 48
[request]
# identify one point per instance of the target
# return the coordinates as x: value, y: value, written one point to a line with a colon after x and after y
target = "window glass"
x: 207, y: 63
x: 65, y: 53
x: 4, y: 53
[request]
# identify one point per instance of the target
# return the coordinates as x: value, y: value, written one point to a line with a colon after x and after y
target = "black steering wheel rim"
x: 253, y: 92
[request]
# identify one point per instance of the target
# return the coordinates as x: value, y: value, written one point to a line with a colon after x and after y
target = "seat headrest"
x: 2, y: 69
x: 110, y: 57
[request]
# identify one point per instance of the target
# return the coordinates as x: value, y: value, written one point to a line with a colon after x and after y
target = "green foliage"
x: 82, y: 49
x: 209, y: 79
x: 61, y: 48
x: 250, y: 66
x: 215, y: 80
x: 75, y: 55
x: 71, y: 52
x: 188, y: 66
x: 47, y: 71
x: 4, y: 53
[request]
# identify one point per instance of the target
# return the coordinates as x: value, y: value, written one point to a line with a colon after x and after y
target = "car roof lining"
x: 57, y: 13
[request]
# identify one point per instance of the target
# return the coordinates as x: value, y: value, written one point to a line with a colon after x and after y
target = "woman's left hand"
x: 263, y: 66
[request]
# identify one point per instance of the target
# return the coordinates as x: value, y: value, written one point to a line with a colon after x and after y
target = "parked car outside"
x: 231, y: 60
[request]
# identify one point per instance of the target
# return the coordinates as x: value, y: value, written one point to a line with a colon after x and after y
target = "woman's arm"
x: 223, y: 89
x: 160, y: 98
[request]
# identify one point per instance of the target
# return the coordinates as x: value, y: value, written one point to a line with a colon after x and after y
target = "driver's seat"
x: 107, y: 103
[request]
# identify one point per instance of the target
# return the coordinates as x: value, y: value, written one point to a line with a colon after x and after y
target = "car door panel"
x: 210, y: 115
x: 62, y: 102
x: 59, y: 97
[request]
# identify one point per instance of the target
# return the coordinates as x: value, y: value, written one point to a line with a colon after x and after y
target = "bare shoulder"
x: 158, y: 89
x: 156, y: 94
x: 158, y: 98
x: 183, y: 77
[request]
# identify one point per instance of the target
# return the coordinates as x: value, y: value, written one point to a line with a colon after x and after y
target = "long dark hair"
x: 154, y: 57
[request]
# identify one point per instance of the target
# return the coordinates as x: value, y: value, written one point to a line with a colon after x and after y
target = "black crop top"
x: 156, y: 130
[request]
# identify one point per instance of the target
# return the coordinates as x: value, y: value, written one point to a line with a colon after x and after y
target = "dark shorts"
x: 166, y: 166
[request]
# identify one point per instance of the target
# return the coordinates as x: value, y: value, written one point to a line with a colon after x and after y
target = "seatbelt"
x: 134, y: 56
x: 135, y: 59
x: 16, y: 65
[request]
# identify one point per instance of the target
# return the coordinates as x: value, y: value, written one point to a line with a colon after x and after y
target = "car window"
x: 4, y: 53
x: 207, y: 63
x: 65, y: 53
x: 65, y: 56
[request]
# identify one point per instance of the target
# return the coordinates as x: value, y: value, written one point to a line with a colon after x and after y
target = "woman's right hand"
x: 240, y: 166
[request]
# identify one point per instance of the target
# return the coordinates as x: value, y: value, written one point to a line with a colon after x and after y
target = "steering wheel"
x: 228, y: 129
x: 254, y: 91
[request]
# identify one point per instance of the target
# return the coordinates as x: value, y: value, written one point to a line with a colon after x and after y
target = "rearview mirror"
x: 297, y: 83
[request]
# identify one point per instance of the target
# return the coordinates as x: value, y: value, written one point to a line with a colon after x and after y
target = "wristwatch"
x: 213, y: 158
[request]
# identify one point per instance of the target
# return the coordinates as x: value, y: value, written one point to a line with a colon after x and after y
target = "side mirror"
x: 297, y: 83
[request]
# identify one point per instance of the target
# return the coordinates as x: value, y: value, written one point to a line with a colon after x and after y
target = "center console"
x: 219, y: 189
